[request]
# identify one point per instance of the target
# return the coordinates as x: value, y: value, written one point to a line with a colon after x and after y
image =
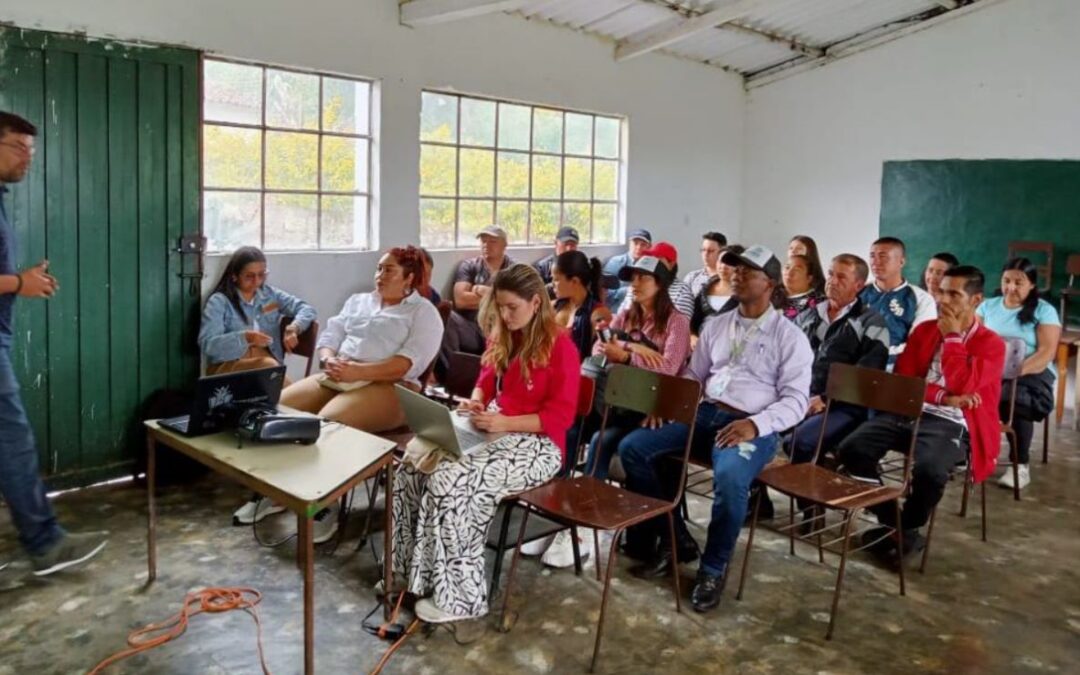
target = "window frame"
x: 620, y: 161
x: 368, y: 193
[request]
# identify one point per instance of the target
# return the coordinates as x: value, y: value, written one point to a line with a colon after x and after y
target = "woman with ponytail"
x: 576, y: 282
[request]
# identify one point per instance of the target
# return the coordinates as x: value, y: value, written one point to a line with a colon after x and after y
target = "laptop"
x: 219, y: 400
x: 437, y: 424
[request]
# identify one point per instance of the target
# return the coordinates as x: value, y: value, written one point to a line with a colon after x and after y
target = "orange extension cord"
x: 213, y: 600
x: 382, y: 633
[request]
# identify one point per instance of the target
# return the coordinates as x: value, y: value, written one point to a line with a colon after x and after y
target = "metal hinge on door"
x: 192, y: 244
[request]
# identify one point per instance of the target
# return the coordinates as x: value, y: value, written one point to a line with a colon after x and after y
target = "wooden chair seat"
x: 587, y: 501
x: 822, y: 486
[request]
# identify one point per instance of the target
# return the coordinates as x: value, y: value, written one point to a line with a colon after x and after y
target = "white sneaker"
x: 426, y: 611
x: 255, y: 510
x: 561, y: 552
x: 1024, y: 474
x: 537, y: 546
x: 325, y: 525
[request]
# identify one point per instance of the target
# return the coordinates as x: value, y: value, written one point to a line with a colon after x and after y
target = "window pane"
x: 513, y: 217
x: 545, y: 222
x: 345, y: 106
x: 477, y: 122
x: 438, y: 118
x: 547, y: 130
x: 344, y: 222
x: 473, y: 216
x: 546, y: 177
x: 438, y: 170
x: 292, y: 100
x: 514, y: 126
x: 513, y: 174
x: 292, y: 161
x: 606, y: 180
x: 437, y: 223
x: 232, y: 93
x: 578, y: 216
x: 579, y: 134
x: 477, y: 173
x: 291, y: 222
x: 232, y: 157
x: 604, y: 225
x: 578, y: 177
x: 607, y: 137
x: 231, y: 219
x: 344, y: 164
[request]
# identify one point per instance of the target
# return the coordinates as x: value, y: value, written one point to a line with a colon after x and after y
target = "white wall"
x: 1002, y: 82
x: 685, y: 119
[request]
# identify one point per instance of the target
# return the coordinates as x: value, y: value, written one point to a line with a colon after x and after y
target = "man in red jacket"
x: 962, y: 362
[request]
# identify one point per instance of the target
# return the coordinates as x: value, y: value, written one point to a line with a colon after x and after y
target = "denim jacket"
x: 221, y: 335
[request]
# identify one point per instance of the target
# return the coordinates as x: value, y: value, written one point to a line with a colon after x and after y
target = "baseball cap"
x: 757, y: 257
x: 492, y: 231
x: 664, y: 251
x: 640, y: 234
x: 568, y: 234
x: 650, y: 264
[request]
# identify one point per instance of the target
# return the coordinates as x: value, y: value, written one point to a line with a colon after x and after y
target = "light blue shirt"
x: 615, y: 296
x: 1006, y: 322
x: 221, y: 335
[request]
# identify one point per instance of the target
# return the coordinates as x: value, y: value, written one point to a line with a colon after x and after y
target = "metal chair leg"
x: 1014, y: 457
x: 674, y: 561
x: 967, y: 489
x: 983, y: 490
x: 819, y: 511
x: 840, y: 574
x: 791, y: 523
x: 603, y: 601
x: 900, y: 544
x: 513, y: 568
x: 596, y: 549
x: 749, y: 547
x: 577, y: 550
x: 500, y: 551
x: 929, y: 537
x: 1046, y: 438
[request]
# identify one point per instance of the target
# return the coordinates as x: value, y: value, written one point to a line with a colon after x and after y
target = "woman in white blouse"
x: 383, y: 338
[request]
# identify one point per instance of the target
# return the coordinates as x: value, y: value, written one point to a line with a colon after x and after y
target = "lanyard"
x: 739, y: 344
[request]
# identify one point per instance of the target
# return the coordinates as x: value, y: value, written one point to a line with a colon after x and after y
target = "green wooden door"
x: 114, y: 186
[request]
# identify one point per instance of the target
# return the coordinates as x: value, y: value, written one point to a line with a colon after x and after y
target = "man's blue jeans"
x: 20, y: 482
x: 644, y: 454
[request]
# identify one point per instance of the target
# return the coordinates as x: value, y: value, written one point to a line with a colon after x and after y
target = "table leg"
x: 1076, y: 394
x: 151, y: 508
x: 304, y: 525
x: 1062, y: 368
x: 301, y: 545
x: 388, y: 534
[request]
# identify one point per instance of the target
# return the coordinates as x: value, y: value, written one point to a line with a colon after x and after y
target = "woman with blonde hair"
x: 527, y: 391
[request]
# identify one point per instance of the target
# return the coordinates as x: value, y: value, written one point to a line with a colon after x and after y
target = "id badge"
x: 718, y: 383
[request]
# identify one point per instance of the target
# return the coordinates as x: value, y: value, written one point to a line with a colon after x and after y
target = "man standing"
x: 962, y: 362
x: 639, y: 241
x: 472, y: 282
x: 50, y: 548
x: 902, y: 305
x: 755, y: 367
x: 566, y: 240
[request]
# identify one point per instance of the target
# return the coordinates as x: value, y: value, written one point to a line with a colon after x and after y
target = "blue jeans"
x: 643, y: 454
x: 20, y: 483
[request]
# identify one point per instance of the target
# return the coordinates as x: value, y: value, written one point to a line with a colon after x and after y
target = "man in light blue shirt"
x: 755, y: 368
x: 640, y: 240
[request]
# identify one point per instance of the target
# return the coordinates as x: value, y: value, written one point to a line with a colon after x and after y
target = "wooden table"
x: 303, y: 478
x: 1070, y: 340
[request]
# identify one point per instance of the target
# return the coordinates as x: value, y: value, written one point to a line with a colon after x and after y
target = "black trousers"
x: 939, y: 447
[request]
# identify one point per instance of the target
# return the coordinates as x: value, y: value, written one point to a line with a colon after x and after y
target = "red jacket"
x: 972, y: 363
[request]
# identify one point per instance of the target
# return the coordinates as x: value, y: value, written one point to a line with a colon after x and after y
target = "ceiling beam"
x: 429, y: 12
x: 948, y: 4
x: 628, y: 49
x: 794, y: 45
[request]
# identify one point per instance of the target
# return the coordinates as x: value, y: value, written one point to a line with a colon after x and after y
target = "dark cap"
x: 648, y: 264
x: 640, y: 234
x: 756, y: 257
x: 568, y: 234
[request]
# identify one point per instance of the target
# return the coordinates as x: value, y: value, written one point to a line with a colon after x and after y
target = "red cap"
x: 664, y: 251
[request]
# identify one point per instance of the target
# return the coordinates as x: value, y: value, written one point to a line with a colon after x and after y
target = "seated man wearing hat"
x: 755, y: 368
x: 639, y: 241
x: 566, y: 240
x: 472, y: 281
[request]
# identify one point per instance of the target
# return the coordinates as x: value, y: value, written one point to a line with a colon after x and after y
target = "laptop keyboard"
x: 469, y: 439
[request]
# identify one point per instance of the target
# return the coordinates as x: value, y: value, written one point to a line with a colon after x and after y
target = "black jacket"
x: 859, y: 338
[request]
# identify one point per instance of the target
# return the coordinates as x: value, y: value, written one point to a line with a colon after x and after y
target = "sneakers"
x: 561, y: 552
x: 325, y: 525
x: 537, y: 546
x: 426, y: 611
x: 71, y: 551
x: 1024, y: 473
x: 255, y: 510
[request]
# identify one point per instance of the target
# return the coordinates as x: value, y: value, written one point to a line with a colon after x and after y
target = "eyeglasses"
x: 28, y: 150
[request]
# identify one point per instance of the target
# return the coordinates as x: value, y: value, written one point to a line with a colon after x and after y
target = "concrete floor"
x: 1008, y: 606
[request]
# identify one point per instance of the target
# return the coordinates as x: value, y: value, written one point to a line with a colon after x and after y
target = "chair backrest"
x: 586, y: 392
x: 1041, y: 254
x: 665, y: 396
x: 1015, y: 349
x: 876, y: 389
x: 1072, y: 266
x: 306, y: 345
x: 462, y: 373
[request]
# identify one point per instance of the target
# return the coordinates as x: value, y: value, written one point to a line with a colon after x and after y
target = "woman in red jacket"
x: 527, y: 389
x: 962, y: 361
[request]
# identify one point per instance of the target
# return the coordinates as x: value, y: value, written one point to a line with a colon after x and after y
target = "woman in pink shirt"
x: 527, y: 389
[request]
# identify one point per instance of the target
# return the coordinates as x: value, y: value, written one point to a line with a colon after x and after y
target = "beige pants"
x: 373, y: 408
x: 255, y: 358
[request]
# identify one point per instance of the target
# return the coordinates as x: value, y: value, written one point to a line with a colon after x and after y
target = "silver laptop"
x: 435, y: 423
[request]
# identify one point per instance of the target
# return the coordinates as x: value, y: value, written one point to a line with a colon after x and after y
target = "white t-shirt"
x: 935, y: 376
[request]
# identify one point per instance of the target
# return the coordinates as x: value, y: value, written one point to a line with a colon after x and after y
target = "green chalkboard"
x: 975, y: 208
